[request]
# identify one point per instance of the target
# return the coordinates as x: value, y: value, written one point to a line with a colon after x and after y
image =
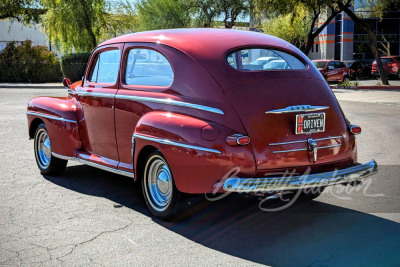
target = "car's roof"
x: 202, y: 39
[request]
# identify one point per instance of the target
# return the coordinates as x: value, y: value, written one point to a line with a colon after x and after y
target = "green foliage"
x: 24, y: 11
x: 27, y: 63
x: 292, y: 27
x: 82, y: 24
x: 73, y: 65
x: 162, y: 14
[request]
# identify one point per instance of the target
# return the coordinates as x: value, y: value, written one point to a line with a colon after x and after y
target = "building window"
x: 316, y: 48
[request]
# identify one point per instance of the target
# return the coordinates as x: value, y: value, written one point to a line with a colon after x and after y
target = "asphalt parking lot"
x: 91, y: 217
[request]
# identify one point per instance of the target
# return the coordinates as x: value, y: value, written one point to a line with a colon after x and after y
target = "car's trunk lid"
x: 272, y: 133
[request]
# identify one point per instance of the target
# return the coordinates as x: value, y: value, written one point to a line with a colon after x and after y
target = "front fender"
x: 195, y: 149
x: 59, y: 116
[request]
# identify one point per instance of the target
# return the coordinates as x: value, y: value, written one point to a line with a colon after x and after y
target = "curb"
x: 376, y: 87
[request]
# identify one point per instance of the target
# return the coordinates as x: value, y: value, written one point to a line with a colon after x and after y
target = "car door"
x: 97, y: 100
x: 331, y: 72
x: 339, y: 71
x: 146, y: 72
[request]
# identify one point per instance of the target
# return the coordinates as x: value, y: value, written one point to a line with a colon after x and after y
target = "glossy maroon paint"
x: 104, y: 128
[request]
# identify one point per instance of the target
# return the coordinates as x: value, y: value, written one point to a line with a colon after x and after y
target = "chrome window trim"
x: 169, y: 101
x: 96, y: 165
x: 173, y: 143
x: 49, y: 116
x: 299, y: 108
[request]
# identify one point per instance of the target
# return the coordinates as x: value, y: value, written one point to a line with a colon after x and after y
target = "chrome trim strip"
x: 49, y: 116
x: 327, y: 146
x: 299, y: 108
x: 93, y: 94
x: 347, y: 175
x: 169, y: 101
x: 303, y: 141
x: 302, y: 149
x: 96, y: 165
x: 291, y: 150
x: 172, y: 143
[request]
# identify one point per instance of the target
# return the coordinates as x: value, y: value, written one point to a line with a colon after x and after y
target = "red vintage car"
x: 185, y: 111
x: 332, y: 70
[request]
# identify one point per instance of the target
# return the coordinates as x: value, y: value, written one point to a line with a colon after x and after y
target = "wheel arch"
x: 141, y: 161
x: 34, y: 125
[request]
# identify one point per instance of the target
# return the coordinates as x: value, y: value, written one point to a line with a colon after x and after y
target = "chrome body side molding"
x: 96, y: 165
x: 173, y: 143
x: 167, y: 101
x: 170, y: 102
x: 93, y: 94
x: 49, y: 116
x: 300, y: 108
x: 347, y: 175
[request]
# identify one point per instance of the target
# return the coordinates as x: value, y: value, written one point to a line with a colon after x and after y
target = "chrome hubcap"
x: 159, y: 184
x: 43, y: 149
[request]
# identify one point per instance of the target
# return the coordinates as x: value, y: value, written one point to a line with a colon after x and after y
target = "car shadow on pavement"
x: 306, y: 234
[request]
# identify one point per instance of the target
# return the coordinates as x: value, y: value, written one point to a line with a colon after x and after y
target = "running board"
x: 96, y: 165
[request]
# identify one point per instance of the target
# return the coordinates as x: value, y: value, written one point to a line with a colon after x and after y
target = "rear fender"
x: 59, y: 116
x: 195, y: 149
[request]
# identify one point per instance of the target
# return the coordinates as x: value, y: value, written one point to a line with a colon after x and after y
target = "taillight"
x: 354, y: 129
x: 237, y: 139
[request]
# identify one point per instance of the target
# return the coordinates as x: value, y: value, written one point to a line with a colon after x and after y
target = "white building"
x: 16, y: 31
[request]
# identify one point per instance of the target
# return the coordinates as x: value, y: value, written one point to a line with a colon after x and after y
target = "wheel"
x: 47, y: 163
x: 346, y: 79
x: 158, y: 187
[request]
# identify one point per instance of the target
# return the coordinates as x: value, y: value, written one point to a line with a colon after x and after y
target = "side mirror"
x: 66, y: 82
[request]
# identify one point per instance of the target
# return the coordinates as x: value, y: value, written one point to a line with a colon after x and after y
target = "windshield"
x: 320, y: 64
x: 256, y: 59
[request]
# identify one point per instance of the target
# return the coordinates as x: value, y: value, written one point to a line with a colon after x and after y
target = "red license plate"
x: 310, y: 123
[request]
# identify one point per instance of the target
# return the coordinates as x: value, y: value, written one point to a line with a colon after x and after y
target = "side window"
x: 147, y: 67
x: 338, y: 65
x: 105, y: 68
x: 331, y: 65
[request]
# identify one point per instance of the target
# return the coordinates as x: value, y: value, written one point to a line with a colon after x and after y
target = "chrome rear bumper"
x: 348, y: 175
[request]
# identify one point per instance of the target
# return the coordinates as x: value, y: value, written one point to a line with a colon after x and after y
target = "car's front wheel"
x: 158, y: 187
x: 47, y: 163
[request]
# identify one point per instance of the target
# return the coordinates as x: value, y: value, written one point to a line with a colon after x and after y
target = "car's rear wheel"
x: 47, y: 163
x: 158, y: 187
x: 346, y: 79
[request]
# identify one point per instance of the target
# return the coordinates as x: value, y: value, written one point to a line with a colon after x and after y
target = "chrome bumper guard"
x: 342, y: 176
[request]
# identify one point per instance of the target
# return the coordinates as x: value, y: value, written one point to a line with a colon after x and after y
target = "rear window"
x: 259, y: 59
x: 319, y: 64
x: 387, y: 60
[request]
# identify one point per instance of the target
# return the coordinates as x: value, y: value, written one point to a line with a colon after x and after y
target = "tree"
x: 379, y: 7
x: 291, y: 27
x: 232, y: 9
x: 81, y: 24
x: 162, y: 14
x: 24, y: 11
x: 315, y: 9
x: 206, y: 12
